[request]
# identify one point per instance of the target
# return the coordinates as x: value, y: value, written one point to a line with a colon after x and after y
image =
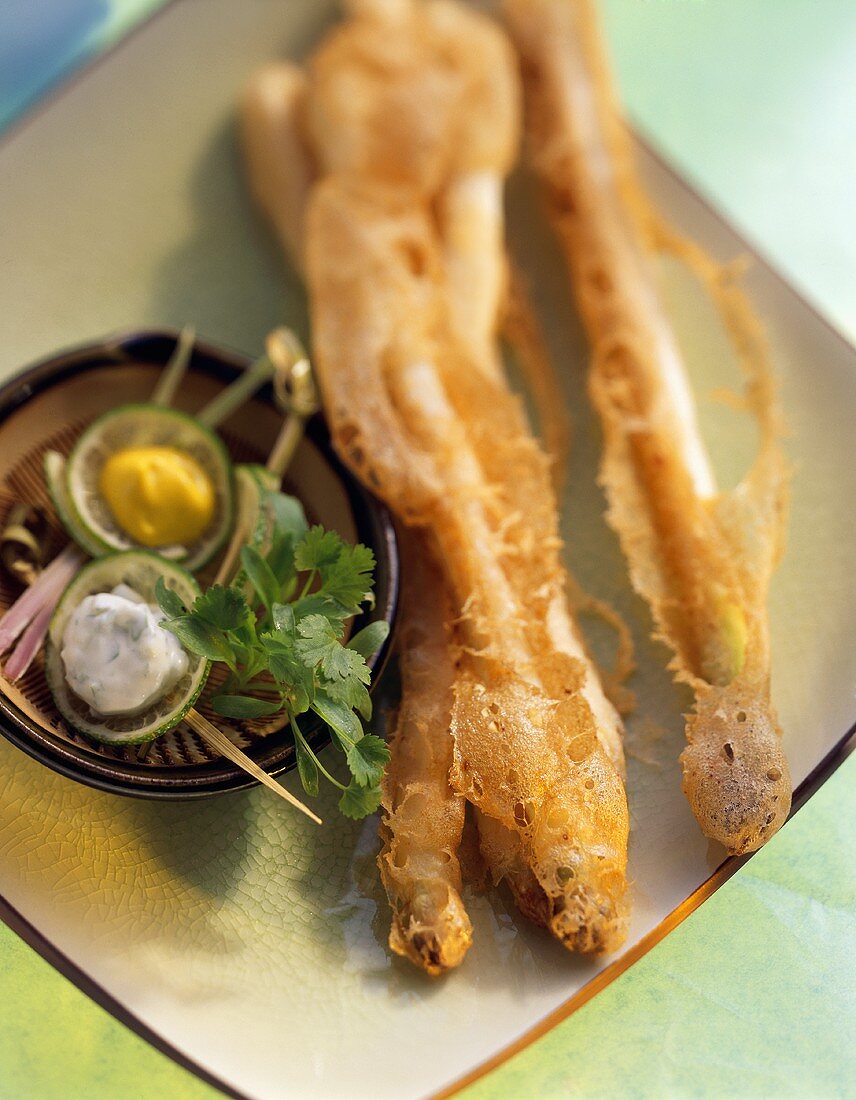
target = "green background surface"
x: 755, y: 101
x: 754, y: 994
x: 57, y: 1044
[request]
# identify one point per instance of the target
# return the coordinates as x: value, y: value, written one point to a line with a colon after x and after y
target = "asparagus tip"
x: 735, y: 774
x: 435, y: 937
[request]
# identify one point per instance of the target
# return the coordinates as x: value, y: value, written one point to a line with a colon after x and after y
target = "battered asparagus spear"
x: 529, y: 751
x: 408, y: 136
x: 702, y: 559
x: 423, y: 818
x: 537, y: 746
x: 406, y: 106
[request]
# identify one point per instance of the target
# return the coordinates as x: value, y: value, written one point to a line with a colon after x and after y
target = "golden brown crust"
x: 423, y: 820
x: 397, y: 120
x: 374, y: 299
x: 533, y: 764
x: 467, y: 468
x: 736, y: 776
x: 415, y: 98
x: 701, y: 559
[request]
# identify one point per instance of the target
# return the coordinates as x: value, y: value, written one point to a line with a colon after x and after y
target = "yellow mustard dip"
x: 159, y: 496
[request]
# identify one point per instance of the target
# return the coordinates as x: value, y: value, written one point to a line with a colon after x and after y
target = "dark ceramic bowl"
x: 47, y: 405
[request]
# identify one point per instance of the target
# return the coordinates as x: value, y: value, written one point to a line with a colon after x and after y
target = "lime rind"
x: 140, y: 570
x: 266, y: 479
x: 144, y: 425
x: 253, y: 486
x: 261, y: 532
x: 55, y: 479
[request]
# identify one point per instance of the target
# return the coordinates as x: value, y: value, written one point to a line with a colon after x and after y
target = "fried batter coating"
x: 480, y: 135
x: 378, y: 64
x: 483, y: 490
x: 423, y: 819
x: 396, y: 117
x: 685, y: 543
x: 539, y: 772
x: 414, y: 95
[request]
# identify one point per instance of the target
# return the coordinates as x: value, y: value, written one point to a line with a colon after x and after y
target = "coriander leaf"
x: 307, y: 769
x: 283, y: 618
x: 221, y: 607
x: 369, y: 640
x: 353, y: 692
x: 286, y: 668
x: 244, y: 706
x: 169, y: 600
x: 318, y: 604
x: 279, y: 641
x: 280, y: 558
x: 260, y: 575
x: 245, y: 634
x: 318, y: 646
x: 297, y: 643
x: 367, y: 759
x: 362, y: 701
x: 320, y: 627
x: 317, y: 549
x: 347, y: 664
x: 200, y: 638
x: 339, y: 717
x: 294, y: 679
x: 299, y: 696
x: 288, y: 516
x: 358, y: 802
x: 349, y: 578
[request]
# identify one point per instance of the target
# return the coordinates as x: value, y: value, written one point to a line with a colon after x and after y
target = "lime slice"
x: 146, y: 426
x: 55, y: 478
x: 140, y: 570
x: 252, y: 486
x: 265, y: 478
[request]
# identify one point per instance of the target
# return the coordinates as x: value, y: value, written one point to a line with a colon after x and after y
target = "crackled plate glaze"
x: 251, y: 942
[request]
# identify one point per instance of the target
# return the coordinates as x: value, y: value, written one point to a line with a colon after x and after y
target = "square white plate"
x: 250, y: 941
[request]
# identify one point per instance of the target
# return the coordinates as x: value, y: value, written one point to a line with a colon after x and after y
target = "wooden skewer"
x: 218, y: 740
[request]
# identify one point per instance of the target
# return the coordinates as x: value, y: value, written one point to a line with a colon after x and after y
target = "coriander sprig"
x: 280, y: 631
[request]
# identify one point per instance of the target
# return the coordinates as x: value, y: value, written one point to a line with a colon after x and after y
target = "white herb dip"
x: 117, y: 656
